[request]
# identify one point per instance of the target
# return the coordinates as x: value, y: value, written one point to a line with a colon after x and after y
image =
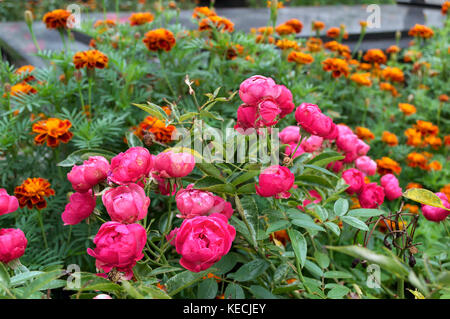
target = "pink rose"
x: 350, y: 157
x: 80, y: 206
x: 275, y: 181
x: 268, y: 112
x: 171, y: 238
x: 170, y: 164
x: 312, y: 143
x: 436, y: 214
x: 221, y: 206
x: 164, y: 185
x: 316, y: 199
x: 204, y: 240
x: 355, y: 179
x: 366, y: 165
x: 12, y: 244
x: 131, y: 166
x: 335, y: 166
x: 285, y: 101
x: 392, y: 190
x: 311, y: 119
x: 257, y: 87
x: 371, y: 196
x: 193, y: 202
x: 126, y: 204
x: 246, y: 117
x: 90, y: 173
x: 8, y: 204
x: 347, y: 142
x: 362, y: 148
x: 118, y: 246
x: 290, y: 134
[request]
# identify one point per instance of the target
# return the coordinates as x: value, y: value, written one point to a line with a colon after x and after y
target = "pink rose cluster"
x: 291, y: 136
x: 205, y: 235
x: 369, y: 195
x: 437, y: 214
x: 351, y: 145
x: 265, y: 103
x: 275, y: 181
x: 312, y: 120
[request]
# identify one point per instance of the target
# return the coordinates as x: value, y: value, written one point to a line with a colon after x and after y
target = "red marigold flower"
x: 141, y: 18
x: 56, y: 19
x: 90, y: 59
x: 32, y: 193
x: 159, y: 39
x: 53, y: 131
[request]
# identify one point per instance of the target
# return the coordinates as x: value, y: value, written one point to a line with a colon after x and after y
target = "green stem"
x: 33, y: 36
x: 41, y: 224
x: 401, y: 288
x: 163, y: 69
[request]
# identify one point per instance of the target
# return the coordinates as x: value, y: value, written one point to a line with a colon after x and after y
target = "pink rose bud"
x: 371, y: 196
x: 275, y: 181
x: 90, y: 173
x: 436, y: 214
x: 8, y: 204
x: 362, y: 148
x: 131, y: 166
x: 12, y: 244
x: 311, y: 119
x: 268, y: 112
x: 193, y: 202
x: 312, y: 143
x: 355, y: 179
x: 171, y: 238
x: 118, y: 246
x: 290, y: 134
x: 366, y: 165
x: 171, y: 165
x: 335, y: 166
x: 392, y: 190
x: 102, y: 296
x: 316, y: 199
x: 285, y: 101
x: 204, y: 240
x: 126, y: 204
x: 247, y: 117
x: 258, y: 87
x: 80, y: 206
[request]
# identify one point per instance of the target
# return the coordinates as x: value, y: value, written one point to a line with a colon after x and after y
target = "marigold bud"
x: 28, y: 17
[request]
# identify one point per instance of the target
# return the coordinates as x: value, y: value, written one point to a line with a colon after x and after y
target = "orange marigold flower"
x: 426, y: 127
x: 446, y: 190
x: 297, y: 25
x: 203, y: 12
x: 285, y: 44
x: 314, y: 44
x: 363, y: 23
x: 52, y: 131
x: 393, y: 74
x: 447, y: 140
x: 413, y: 185
x: 156, y: 128
x: 265, y: 30
x: 159, y: 39
x: 32, y: 193
x: 364, y: 133
x: 218, y: 22
x: 412, y: 55
x: 435, y: 166
x: 21, y: 88
x: 361, y: 79
x: 434, y: 141
x: 26, y: 70
x: 389, y: 138
x: 414, y: 137
x: 90, y: 59
x: 338, y: 67
x: 141, y: 18
x: 335, y: 32
x: 445, y: 7
x: 234, y: 51
x: 300, y: 57
x: 386, y: 165
x: 413, y: 209
x: 443, y: 98
x: 393, y: 49
x: 341, y: 49
x: 280, y: 4
x: 387, y: 224
x: 281, y: 236
x: 407, y: 109
x: 375, y: 56
x: 385, y: 86
x: 108, y: 23
x: 415, y: 159
x: 421, y: 31
x: 355, y: 203
x: 284, y: 29
x: 318, y: 25
x: 56, y: 19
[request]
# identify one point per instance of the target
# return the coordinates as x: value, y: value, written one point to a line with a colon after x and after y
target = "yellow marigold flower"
x: 53, y: 131
x: 421, y: 31
x: 300, y: 57
x: 141, y: 18
x: 389, y: 138
x: 90, y: 59
x: 159, y: 39
x: 338, y: 67
x: 364, y: 133
x: 386, y: 165
x: 32, y: 193
x: 375, y: 56
x: 56, y: 19
x: 285, y: 44
x: 361, y: 79
x: 203, y: 12
x: 393, y: 74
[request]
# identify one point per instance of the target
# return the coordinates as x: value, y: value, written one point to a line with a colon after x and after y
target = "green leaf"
x: 79, y: 156
x: 337, y: 274
x: 278, y: 225
x: 313, y: 268
x: 131, y: 290
x: 261, y: 292
x: 187, y: 116
x: 23, y: 277
x: 365, y: 212
x: 298, y: 245
x: 391, y: 264
x: 424, y: 196
x: 341, y: 207
x: 250, y: 270
x: 133, y: 140
x: 92, y: 282
x: 312, y: 180
x: 211, y: 170
x: 246, y: 189
x: 153, y: 292
x: 338, y: 292
x: 207, y: 289
x: 234, y: 291
x: 247, y: 207
x: 320, y: 169
x: 325, y: 158
x: 153, y: 110
x: 163, y: 270
x: 226, y: 263
x: 308, y: 225
x: 213, y: 184
x: 4, y: 276
x: 333, y: 227
x: 245, y: 177
x: 40, y: 282
x: 322, y: 259
x: 185, y: 279
x: 355, y: 222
